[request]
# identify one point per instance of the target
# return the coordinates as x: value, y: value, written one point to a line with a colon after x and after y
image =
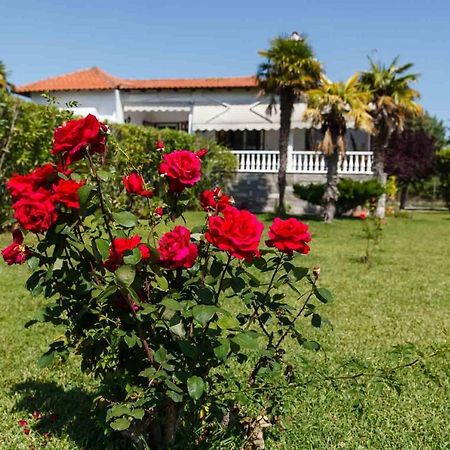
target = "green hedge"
x: 352, y: 193
x: 26, y: 133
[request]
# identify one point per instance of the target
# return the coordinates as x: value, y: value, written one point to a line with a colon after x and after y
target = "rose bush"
x: 184, y: 329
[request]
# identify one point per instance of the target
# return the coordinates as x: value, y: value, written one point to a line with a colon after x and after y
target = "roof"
x: 96, y: 79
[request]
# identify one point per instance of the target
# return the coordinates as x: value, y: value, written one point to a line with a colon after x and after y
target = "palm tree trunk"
x: 286, y: 108
x: 331, y: 193
x: 380, y: 143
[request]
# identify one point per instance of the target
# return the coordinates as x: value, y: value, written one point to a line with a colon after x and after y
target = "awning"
x: 157, y: 107
x: 255, y: 116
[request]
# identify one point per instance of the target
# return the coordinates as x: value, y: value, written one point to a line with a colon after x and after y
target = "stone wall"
x: 258, y: 192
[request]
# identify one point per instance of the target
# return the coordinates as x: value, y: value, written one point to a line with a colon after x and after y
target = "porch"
x: 307, y: 162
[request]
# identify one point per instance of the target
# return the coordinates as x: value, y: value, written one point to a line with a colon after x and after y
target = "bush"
x: 180, y: 328
x: 443, y: 168
x: 134, y: 146
x: 26, y: 134
x: 351, y: 193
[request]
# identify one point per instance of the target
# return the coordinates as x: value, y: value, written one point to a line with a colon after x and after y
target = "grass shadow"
x: 63, y: 412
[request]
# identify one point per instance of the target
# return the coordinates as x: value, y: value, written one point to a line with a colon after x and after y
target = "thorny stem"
x: 105, y: 213
x: 102, y: 203
x: 147, y: 348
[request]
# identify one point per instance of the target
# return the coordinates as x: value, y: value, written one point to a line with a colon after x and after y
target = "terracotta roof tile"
x: 96, y: 79
x: 87, y: 79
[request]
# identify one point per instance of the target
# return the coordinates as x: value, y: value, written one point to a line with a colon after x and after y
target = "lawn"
x: 394, y: 313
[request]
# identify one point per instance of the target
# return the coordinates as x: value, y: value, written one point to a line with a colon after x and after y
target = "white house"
x: 228, y: 110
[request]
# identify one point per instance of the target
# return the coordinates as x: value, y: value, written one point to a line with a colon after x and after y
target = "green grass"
x: 404, y: 297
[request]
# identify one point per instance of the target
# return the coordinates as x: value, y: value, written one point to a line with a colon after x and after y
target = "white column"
x: 191, y: 114
x: 119, y: 107
x: 290, y: 149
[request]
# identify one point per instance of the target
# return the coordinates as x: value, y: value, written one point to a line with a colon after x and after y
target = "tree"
x: 393, y: 102
x: 4, y: 83
x: 410, y: 156
x: 289, y: 70
x: 333, y: 106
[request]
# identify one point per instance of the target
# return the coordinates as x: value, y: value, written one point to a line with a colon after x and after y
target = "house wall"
x: 100, y: 103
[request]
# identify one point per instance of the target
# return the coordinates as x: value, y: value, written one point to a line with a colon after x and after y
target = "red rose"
x: 363, y: 215
x: 238, y: 232
x: 121, y: 245
x: 182, y: 168
x: 159, y: 145
x: 159, y: 211
x: 36, y: 212
x: 202, y: 153
x: 22, y: 423
x: 16, y: 253
x: 134, y: 184
x: 289, y: 235
x: 41, y: 177
x: 176, y: 249
x: 66, y: 192
x: 77, y: 135
x: 212, y: 201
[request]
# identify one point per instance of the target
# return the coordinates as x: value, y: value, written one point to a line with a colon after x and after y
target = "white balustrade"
x: 267, y: 161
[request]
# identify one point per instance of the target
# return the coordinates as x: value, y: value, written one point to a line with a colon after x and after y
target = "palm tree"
x: 332, y: 106
x: 4, y: 84
x: 392, y: 102
x: 289, y: 70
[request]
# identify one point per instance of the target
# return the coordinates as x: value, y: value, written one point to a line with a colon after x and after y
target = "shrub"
x: 26, y: 132
x: 443, y: 168
x: 351, y: 193
x: 186, y: 330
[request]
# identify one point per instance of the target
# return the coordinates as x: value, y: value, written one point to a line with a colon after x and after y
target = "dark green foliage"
x: 351, y: 193
x: 443, y: 168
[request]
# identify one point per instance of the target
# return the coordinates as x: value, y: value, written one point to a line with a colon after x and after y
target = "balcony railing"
x: 267, y: 161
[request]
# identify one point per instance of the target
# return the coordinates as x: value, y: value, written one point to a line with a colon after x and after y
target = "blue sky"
x: 172, y: 38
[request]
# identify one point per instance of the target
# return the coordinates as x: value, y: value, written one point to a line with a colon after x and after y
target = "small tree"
x: 411, y: 156
x: 289, y: 71
x: 332, y: 106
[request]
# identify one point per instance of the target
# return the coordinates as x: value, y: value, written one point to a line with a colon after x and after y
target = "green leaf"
x: 204, y: 313
x: 83, y: 195
x: 172, y: 304
x: 216, y: 268
x: 175, y: 396
x: 300, y: 272
x: 47, y: 359
x: 196, y: 387
x: 160, y: 355
x: 228, y: 322
x: 102, y: 247
x: 311, y: 345
x: 104, y: 175
x: 162, y: 283
x: 237, y: 284
x: 125, y: 219
x: 221, y: 351
x: 205, y: 295
x: 137, y: 413
x: 33, y: 263
x: 324, y: 295
x: 178, y: 329
x: 126, y: 275
x: 246, y: 340
x: 133, y: 257
x: 131, y: 340
x: 120, y: 424
x: 316, y: 320
x: 118, y: 411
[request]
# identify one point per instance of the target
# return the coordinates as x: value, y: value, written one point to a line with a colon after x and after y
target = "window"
x: 182, y: 126
x: 241, y: 140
